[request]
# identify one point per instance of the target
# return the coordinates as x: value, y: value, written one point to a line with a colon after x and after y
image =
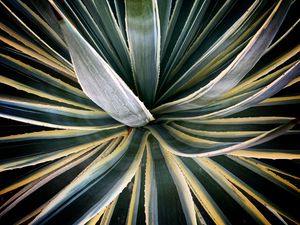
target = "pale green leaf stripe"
x: 52, y: 171
x: 218, y: 48
x: 182, y: 144
x: 114, y: 33
x: 182, y: 188
x: 151, y: 210
x: 215, y: 134
x: 164, y: 176
x: 55, y: 169
x: 41, y: 158
x: 41, y: 177
x: 246, y: 92
x: 28, y: 48
x: 134, y: 201
x: 256, y: 84
x: 28, y: 88
x: 277, y: 171
x: 87, y: 27
x: 39, y: 22
x: 187, y: 33
x: 246, y: 60
x: 164, y: 9
x: 39, y: 74
x: 143, y: 32
x: 120, y: 11
x: 47, y: 13
x: 296, y: 80
x: 54, y: 109
x: 234, y: 192
x: 31, y: 215
x: 171, y: 25
x: 100, y: 82
x: 200, y: 219
x: 107, y: 215
x: 51, y: 134
x: 272, y: 66
x: 283, y: 36
x: 202, y: 195
x: 237, y: 129
x: 223, y: 191
x: 281, y: 100
x: 199, y: 39
x: 96, y: 218
x: 266, y: 172
x: 106, y: 178
x: 259, y: 96
x: 35, y: 36
x: 34, y: 151
x: 53, y: 116
x: 259, y: 153
x: 97, y: 21
x: 244, y: 120
x: 238, y: 182
x: 242, y: 64
x: 54, y: 124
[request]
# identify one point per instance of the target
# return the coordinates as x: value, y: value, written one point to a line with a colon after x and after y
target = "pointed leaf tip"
x: 101, y: 83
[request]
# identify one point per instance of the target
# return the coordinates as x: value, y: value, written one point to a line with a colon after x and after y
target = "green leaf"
x: 36, y: 148
x: 242, y: 178
x: 282, y: 147
x: 242, y: 64
x: 266, y: 153
x: 114, y: 34
x: 183, y: 144
x: 213, y: 134
x: 164, y: 9
x: 37, y: 113
x: 27, y: 202
x: 187, y: 33
x: 135, y: 199
x: 39, y: 22
x: 143, y: 32
x: 218, y: 55
x: 281, y: 101
x: 121, y: 208
x: 107, y: 215
x: 243, y: 121
x: 257, y: 76
x: 45, y: 10
x: 236, y: 199
x: 100, y: 82
x: 171, y: 25
x: 39, y: 79
x: 247, y: 101
x: 56, y: 168
x: 50, y: 54
x: 120, y: 11
x: 89, y: 23
x: 199, y: 185
x: 203, y: 34
x: 103, y: 179
x: 268, y: 173
x: 27, y: 47
x: 166, y: 188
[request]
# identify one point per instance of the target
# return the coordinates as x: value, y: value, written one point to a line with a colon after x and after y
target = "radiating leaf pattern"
x: 149, y: 112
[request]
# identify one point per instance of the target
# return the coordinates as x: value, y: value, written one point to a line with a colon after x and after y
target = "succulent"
x: 149, y: 112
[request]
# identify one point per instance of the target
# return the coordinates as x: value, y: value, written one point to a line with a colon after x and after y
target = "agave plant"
x: 149, y: 112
